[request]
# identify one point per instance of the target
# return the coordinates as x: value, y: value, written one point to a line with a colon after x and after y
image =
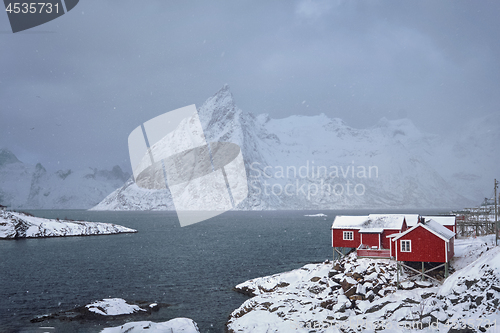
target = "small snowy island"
x: 118, y: 308
x: 14, y: 225
x: 360, y: 294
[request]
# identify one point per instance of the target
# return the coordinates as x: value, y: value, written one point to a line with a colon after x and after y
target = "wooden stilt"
x: 420, y: 273
x: 422, y: 276
x: 446, y: 270
x: 340, y: 253
x: 397, y: 274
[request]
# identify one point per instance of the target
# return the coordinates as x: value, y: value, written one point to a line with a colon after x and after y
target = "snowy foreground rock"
x: 108, y: 308
x: 176, y: 325
x: 352, y: 295
x: 116, y: 308
x: 19, y: 225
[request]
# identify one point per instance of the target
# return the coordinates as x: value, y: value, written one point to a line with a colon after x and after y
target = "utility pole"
x: 496, y: 214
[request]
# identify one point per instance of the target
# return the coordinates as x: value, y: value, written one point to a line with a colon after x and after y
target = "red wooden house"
x: 427, y: 241
x: 368, y: 234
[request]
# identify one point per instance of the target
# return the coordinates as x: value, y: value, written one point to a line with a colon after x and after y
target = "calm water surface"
x: 192, y: 268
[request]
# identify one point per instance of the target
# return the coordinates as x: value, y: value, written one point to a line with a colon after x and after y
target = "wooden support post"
x: 419, y: 273
x: 446, y: 270
x: 422, y: 276
x: 397, y: 274
x: 340, y: 253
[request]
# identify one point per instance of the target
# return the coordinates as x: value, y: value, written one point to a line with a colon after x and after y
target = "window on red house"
x: 405, y: 246
x: 348, y: 235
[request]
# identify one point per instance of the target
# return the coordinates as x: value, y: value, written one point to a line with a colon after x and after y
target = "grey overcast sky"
x: 73, y: 89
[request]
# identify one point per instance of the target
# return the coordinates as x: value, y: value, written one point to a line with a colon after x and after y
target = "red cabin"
x: 368, y: 234
x: 427, y: 241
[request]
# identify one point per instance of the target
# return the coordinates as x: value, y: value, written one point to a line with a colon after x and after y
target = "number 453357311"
x: 32, y: 8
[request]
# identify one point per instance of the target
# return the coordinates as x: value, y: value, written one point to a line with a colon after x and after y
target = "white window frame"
x: 347, y: 234
x: 406, y: 248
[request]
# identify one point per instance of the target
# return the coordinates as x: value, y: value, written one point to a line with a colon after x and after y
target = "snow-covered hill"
x: 19, y: 225
x: 352, y: 295
x: 317, y: 162
x: 28, y: 186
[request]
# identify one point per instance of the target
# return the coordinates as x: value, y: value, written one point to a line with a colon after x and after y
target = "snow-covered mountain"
x: 28, y: 186
x: 315, y: 162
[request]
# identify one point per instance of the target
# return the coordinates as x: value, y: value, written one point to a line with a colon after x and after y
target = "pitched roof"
x: 441, y: 219
x: 348, y: 222
x: 432, y: 226
x: 372, y: 221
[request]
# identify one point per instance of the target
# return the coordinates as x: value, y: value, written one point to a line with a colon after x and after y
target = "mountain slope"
x: 316, y: 162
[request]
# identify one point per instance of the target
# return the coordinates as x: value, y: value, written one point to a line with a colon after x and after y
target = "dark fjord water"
x: 192, y: 268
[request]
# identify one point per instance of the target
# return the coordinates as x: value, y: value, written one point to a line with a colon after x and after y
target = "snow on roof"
x: 371, y: 230
x: 441, y: 219
x: 434, y: 227
x: 348, y: 222
x: 411, y: 219
x: 387, y: 221
x: 438, y: 228
x: 372, y: 221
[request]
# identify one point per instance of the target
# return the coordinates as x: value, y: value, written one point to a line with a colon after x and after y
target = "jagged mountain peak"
x: 39, y: 168
x: 7, y: 157
x: 223, y: 99
x: 220, y: 109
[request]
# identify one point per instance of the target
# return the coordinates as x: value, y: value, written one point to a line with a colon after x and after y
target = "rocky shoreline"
x: 16, y: 225
x: 360, y: 293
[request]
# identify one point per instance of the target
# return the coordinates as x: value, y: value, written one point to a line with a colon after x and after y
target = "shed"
x: 427, y: 241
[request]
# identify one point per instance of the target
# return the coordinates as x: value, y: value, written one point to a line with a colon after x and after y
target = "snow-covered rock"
x: 113, y: 307
x: 21, y: 225
x: 32, y: 186
x: 360, y: 294
x: 177, y: 325
x: 317, y: 162
x: 109, y: 308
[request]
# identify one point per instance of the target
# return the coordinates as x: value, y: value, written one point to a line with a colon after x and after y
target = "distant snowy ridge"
x: 18, y: 225
x: 325, y: 297
x: 32, y: 186
x: 317, y: 162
